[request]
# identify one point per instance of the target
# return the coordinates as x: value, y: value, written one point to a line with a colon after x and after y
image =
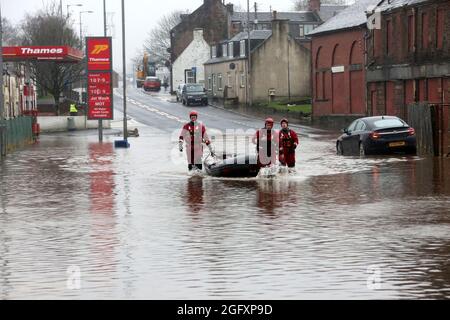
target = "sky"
x: 141, y: 16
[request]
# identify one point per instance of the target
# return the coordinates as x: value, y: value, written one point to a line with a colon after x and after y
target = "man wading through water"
x: 266, y: 140
x: 194, y: 135
x: 288, y: 141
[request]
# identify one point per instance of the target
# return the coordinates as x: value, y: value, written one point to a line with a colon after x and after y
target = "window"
x: 308, y: 28
x: 224, y: 50
x: 213, y: 51
x: 242, y: 48
x: 389, y: 123
x: 388, y: 36
x: 425, y: 31
x: 231, y: 49
x: 361, y: 126
x: 352, y: 127
x: 214, y: 80
x: 209, y: 84
x: 190, y: 76
x: 219, y: 82
x: 243, y: 80
x: 440, y: 28
x: 411, y: 25
x: 302, y: 30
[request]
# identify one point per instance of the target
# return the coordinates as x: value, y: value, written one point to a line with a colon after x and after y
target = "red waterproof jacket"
x: 288, y: 143
x: 266, y: 146
x: 194, y: 135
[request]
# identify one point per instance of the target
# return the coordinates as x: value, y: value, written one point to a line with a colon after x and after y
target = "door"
x: 350, y: 141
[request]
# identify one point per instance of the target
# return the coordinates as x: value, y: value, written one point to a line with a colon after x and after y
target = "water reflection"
x: 141, y: 228
x: 194, y: 195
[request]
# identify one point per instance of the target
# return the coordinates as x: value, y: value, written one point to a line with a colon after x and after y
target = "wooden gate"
x: 431, y: 122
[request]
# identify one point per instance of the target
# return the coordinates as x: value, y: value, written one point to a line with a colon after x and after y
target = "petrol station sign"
x: 100, y: 84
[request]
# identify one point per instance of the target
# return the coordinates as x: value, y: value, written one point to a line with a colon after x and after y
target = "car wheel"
x: 339, y: 150
x: 362, y: 151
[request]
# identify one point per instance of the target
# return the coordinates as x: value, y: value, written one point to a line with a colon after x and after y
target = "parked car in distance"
x: 377, y: 135
x: 152, y: 84
x: 179, y: 91
x: 194, y: 93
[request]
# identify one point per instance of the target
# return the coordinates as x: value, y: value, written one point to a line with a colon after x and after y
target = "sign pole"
x: 124, y: 76
x: 100, y: 122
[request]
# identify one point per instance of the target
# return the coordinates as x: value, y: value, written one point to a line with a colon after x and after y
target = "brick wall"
x: 340, y: 92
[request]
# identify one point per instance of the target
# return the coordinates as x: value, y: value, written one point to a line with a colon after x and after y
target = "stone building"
x: 188, y: 68
x: 280, y: 66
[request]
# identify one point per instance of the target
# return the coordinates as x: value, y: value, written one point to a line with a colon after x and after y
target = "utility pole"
x: 2, y: 102
x: 249, y: 86
x: 100, y: 122
x: 124, y: 67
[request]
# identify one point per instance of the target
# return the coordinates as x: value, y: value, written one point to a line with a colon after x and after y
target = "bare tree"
x: 158, y: 42
x: 47, y: 28
x: 10, y: 34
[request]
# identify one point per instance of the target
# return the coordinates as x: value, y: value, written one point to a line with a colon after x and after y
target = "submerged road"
x: 81, y: 220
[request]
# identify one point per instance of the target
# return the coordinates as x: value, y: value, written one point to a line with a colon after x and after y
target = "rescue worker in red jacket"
x: 194, y: 135
x: 266, y: 140
x: 289, y: 142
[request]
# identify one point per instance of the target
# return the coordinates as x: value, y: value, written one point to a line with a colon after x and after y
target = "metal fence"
x: 15, y: 133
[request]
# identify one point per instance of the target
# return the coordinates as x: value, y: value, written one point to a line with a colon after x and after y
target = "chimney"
x: 230, y: 8
x: 198, y: 34
x: 274, y: 13
x: 314, y: 5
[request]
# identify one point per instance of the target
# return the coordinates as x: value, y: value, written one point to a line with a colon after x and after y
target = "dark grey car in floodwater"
x: 377, y: 135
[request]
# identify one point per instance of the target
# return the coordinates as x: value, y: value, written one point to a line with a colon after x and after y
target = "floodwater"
x: 79, y: 220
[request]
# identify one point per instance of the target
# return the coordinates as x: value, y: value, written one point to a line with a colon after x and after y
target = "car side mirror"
x: 345, y: 131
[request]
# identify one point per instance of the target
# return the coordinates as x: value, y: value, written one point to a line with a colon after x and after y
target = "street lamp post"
x: 124, y: 76
x: 72, y: 5
x: 81, y: 47
x: 81, y: 28
x: 249, y: 96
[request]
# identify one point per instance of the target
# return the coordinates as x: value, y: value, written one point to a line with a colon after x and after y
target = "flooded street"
x: 132, y: 224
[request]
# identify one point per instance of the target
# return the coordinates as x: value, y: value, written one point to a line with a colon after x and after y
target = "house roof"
x: 327, y: 11
x: 254, y: 35
x: 353, y: 16
x: 394, y: 4
x: 294, y: 16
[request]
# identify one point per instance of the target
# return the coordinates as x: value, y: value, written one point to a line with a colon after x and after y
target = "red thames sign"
x: 99, y: 54
x: 100, y: 90
x: 48, y: 53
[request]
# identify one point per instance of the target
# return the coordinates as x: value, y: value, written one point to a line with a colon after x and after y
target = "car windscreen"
x: 194, y: 88
x: 388, y: 123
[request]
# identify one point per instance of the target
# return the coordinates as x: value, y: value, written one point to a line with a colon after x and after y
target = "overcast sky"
x: 141, y: 16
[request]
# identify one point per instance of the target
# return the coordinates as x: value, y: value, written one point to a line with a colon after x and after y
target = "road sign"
x: 100, y: 86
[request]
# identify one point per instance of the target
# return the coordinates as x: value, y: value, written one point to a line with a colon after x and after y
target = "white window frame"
x: 214, y: 80
x: 224, y: 50
x: 213, y: 52
x: 220, y: 82
x: 302, y: 30
x: 231, y: 49
x: 210, y: 83
x: 190, y: 77
x: 243, y: 79
x: 242, y: 48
